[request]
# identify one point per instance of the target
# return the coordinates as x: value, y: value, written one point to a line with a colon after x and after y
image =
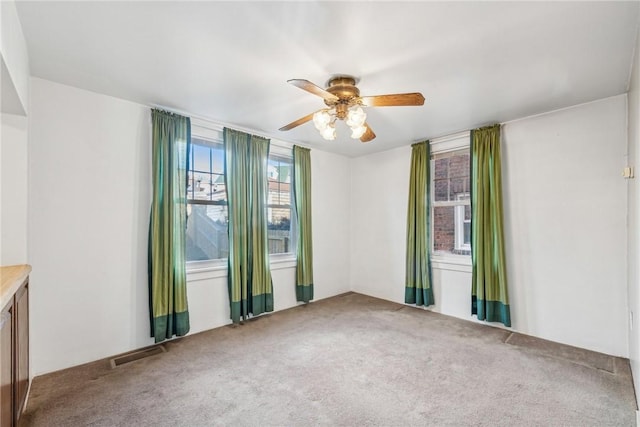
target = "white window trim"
x: 452, y: 263
x: 213, y: 269
x: 453, y: 142
x: 440, y: 260
x: 204, y: 270
x: 280, y: 261
x: 206, y: 130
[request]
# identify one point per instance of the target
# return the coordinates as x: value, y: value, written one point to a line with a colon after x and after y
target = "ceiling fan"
x: 344, y: 102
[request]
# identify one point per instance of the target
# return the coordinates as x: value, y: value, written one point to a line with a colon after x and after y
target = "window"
x: 207, y: 237
x: 279, y: 218
x: 451, y: 203
x: 207, y: 217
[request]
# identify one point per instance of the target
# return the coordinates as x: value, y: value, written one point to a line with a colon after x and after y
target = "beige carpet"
x: 350, y: 360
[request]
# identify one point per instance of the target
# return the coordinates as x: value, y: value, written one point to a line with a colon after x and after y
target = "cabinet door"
x: 6, y: 366
x: 22, y: 347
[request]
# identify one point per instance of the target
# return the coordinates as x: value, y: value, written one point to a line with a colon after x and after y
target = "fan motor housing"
x: 344, y: 88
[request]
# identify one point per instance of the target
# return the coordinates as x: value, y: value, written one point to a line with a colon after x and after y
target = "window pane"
x: 279, y: 230
x: 273, y: 198
x: 457, y: 188
x: 279, y: 194
x: 218, y: 190
x: 217, y: 155
x: 441, y: 189
x: 467, y: 225
x: 443, y: 229
x: 279, y: 169
x: 451, y: 175
x: 206, y: 178
x: 467, y: 232
x: 441, y: 168
x: 207, y: 236
x: 200, y: 186
x: 200, y: 159
x: 459, y: 165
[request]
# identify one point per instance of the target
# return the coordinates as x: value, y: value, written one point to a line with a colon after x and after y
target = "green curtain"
x: 302, y: 197
x: 418, y: 289
x: 489, y: 299
x: 171, y: 137
x: 249, y: 276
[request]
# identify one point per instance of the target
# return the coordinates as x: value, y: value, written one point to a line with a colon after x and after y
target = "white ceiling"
x: 476, y: 63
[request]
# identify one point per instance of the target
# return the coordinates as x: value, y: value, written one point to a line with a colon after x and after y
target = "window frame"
x: 282, y: 152
x: 442, y: 260
x: 215, y: 136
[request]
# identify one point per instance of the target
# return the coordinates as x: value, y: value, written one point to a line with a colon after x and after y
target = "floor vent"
x: 137, y: 355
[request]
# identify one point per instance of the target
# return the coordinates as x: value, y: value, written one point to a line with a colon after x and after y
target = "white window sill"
x: 460, y: 263
x: 280, y: 261
x: 205, y: 270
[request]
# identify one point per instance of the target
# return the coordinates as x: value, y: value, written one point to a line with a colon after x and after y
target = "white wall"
x: 565, y: 206
x: 379, y: 197
x: 14, y: 91
x: 565, y: 218
x: 633, y: 218
x: 14, y: 58
x: 89, y: 195
x: 88, y: 215
x: 13, y: 188
x: 330, y: 178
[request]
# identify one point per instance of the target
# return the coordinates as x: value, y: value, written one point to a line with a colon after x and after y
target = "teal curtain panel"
x: 171, y: 137
x: 249, y: 276
x: 302, y: 200
x: 418, y: 289
x: 489, y: 296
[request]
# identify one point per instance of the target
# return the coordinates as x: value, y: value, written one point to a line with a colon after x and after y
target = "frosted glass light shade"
x: 321, y: 119
x: 328, y: 133
x: 356, y: 117
x: 357, y: 132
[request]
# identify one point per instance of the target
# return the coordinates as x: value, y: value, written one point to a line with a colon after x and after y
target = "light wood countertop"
x: 11, y: 277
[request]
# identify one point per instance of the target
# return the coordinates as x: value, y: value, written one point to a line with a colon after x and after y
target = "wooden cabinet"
x: 21, y: 337
x: 14, y: 344
x: 6, y: 366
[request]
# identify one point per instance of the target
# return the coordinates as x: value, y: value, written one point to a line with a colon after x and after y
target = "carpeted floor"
x: 350, y: 360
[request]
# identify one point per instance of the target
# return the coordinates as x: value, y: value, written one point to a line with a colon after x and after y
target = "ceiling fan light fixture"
x: 329, y: 132
x: 321, y: 119
x: 356, y: 117
x: 344, y: 102
x: 357, y: 132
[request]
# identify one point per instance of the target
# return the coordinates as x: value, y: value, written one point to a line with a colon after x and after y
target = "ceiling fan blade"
x: 397, y: 99
x: 368, y: 135
x: 298, y: 122
x: 314, y: 89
